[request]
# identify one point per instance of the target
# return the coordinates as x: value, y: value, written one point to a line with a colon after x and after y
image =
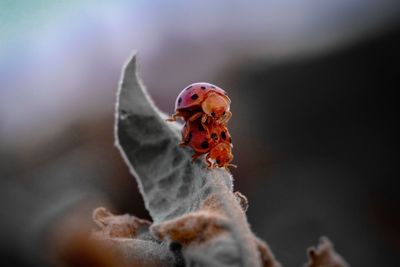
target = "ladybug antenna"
x: 232, y: 165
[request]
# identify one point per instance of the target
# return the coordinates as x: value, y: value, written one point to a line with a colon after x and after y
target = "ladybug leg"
x: 203, y: 123
x: 228, y: 116
x: 174, y: 116
x: 230, y: 158
x: 196, y: 155
x: 183, y: 144
x: 208, y: 161
x: 229, y: 163
x: 193, y: 118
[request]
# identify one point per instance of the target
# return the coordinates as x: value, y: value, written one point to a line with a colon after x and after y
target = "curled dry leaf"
x: 324, y: 255
x: 196, y: 227
x: 128, y: 237
x: 124, y: 226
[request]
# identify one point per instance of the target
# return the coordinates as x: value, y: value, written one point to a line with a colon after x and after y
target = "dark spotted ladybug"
x: 216, y: 142
x: 202, y: 100
x: 222, y: 155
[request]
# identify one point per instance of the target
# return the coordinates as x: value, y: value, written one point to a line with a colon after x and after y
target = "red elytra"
x: 197, y: 137
x: 216, y: 142
x: 187, y: 99
x: 203, y: 100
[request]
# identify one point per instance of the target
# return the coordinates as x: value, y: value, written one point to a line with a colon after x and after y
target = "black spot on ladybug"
x: 218, y: 161
x: 201, y: 128
x: 230, y: 139
x: 179, y: 100
x: 213, y: 114
x: 190, y: 137
x: 214, y: 136
x: 189, y: 87
x: 223, y: 135
x: 204, y: 144
x: 203, y: 88
x: 194, y: 97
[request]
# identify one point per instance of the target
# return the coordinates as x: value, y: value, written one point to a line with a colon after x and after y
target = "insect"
x: 216, y: 142
x: 202, y: 100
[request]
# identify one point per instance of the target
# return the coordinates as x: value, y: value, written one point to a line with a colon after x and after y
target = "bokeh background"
x: 312, y: 85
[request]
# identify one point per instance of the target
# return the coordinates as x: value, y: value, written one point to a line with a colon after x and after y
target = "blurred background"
x: 312, y: 85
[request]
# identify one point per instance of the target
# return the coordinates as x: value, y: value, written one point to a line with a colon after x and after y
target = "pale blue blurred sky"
x: 61, y: 60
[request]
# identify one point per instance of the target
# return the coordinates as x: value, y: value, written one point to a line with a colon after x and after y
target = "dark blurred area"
x: 314, y: 117
x: 328, y: 128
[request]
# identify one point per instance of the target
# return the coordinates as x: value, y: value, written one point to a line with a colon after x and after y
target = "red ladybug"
x: 202, y: 100
x: 216, y: 142
x: 222, y: 155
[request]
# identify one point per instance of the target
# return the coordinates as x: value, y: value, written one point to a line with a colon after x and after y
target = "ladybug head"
x: 221, y: 154
x: 215, y: 105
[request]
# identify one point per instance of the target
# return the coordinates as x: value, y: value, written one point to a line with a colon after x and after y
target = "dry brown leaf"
x: 324, y: 255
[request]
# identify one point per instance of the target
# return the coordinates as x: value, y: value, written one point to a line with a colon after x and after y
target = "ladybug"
x: 222, y: 155
x: 216, y: 142
x: 202, y: 100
